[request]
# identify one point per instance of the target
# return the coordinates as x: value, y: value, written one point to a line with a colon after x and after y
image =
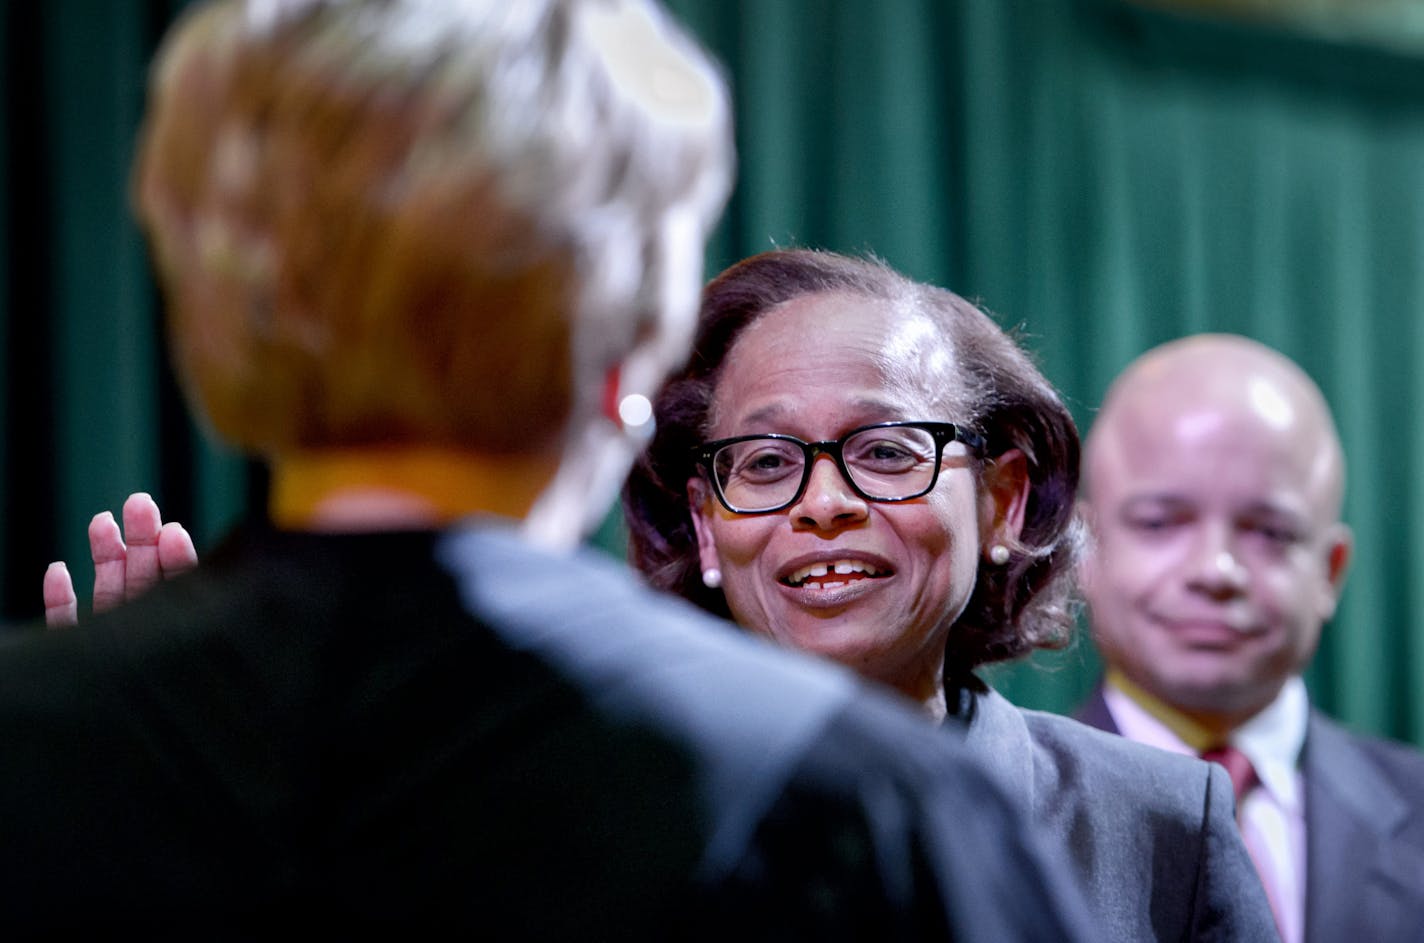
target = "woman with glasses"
x: 869, y: 469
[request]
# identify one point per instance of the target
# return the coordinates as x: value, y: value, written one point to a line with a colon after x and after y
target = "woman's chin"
x: 862, y: 651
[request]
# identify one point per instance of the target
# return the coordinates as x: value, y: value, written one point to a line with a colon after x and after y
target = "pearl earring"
x: 635, y: 412
x: 711, y: 577
x: 998, y: 554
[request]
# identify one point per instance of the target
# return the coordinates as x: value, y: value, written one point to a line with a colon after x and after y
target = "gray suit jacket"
x: 1364, y: 820
x: 1151, y: 835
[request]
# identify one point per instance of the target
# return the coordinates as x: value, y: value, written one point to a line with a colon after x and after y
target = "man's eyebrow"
x: 1156, y: 497
x: 1280, y: 511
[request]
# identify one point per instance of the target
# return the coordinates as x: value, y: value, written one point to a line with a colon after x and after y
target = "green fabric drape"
x: 91, y: 411
x: 1103, y: 175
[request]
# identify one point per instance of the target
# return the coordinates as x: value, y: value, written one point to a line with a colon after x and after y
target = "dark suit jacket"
x: 1151, y: 834
x: 1364, y: 822
x: 367, y: 733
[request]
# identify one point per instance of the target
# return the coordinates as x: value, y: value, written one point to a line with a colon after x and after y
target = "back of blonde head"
x: 395, y: 222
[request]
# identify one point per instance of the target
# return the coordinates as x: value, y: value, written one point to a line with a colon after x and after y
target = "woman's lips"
x: 831, y: 581
x: 832, y: 595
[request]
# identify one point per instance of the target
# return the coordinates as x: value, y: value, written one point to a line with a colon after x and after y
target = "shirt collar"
x: 1272, y: 740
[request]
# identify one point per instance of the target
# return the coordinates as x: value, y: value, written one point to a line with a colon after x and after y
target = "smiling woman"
x: 826, y: 365
x: 976, y: 540
x: 869, y: 469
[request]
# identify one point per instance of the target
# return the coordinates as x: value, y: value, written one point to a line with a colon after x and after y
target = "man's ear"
x: 1338, y: 547
x: 702, y: 506
x: 1003, y: 499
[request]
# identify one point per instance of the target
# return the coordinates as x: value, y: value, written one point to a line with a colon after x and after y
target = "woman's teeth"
x: 819, y: 571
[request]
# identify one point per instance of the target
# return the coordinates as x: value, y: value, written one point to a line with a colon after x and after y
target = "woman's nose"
x: 828, y: 501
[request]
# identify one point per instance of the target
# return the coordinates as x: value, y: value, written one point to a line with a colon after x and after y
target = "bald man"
x: 1213, y: 483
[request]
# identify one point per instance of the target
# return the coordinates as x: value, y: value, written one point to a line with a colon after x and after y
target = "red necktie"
x: 1243, y: 780
x: 1242, y: 773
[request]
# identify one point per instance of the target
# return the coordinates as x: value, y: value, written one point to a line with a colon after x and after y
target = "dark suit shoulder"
x: 1094, y: 711
x: 1402, y: 761
x: 464, y: 727
x: 1364, y: 803
x: 1374, y: 782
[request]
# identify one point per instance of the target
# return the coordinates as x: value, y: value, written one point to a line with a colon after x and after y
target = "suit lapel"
x: 1357, y: 878
x: 1094, y: 712
x: 999, y: 738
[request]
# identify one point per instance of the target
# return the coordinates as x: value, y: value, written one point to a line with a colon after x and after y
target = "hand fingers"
x: 141, y: 526
x: 60, y: 604
x: 176, y: 552
x: 130, y: 562
x: 106, y: 546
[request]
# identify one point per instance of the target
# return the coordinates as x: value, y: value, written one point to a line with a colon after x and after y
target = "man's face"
x: 1218, y: 556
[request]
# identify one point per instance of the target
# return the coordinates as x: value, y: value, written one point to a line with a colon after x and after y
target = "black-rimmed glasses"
x: 886, y: 462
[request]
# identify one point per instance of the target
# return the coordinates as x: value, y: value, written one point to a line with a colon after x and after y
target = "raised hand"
x: 127, y: 563
x: 61, y: 605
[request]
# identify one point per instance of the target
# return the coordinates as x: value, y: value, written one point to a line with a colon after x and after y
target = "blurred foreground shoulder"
x: 831, y: 810
x: 878, y: 799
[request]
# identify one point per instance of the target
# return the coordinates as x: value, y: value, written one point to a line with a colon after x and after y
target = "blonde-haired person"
x: 415, y: 253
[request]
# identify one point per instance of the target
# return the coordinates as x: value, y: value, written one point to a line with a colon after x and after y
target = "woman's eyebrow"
x: 864, y: 406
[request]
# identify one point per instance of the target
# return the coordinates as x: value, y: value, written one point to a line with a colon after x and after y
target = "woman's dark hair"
x: 1014, y: 608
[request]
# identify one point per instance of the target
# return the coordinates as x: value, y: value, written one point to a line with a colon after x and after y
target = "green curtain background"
x: 1101, y: 175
